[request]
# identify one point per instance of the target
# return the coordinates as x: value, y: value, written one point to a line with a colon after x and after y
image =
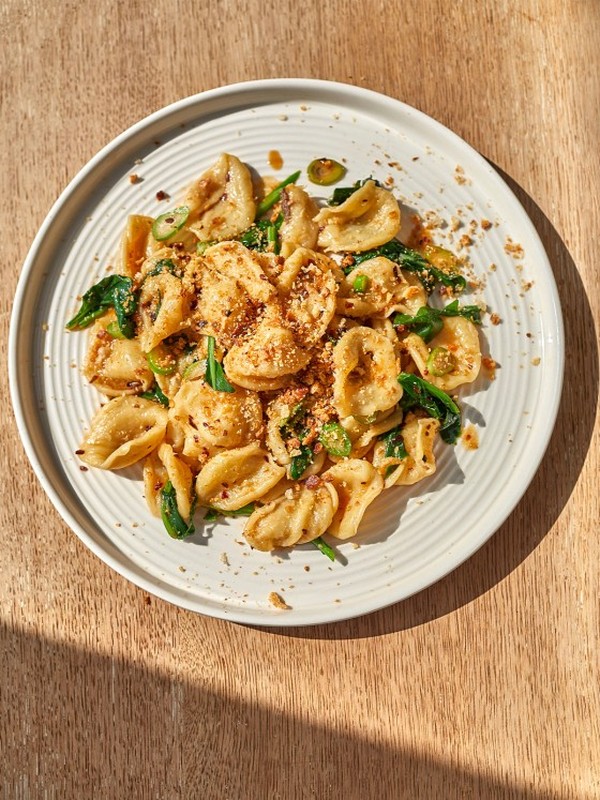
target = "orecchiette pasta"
x: 357, y: 483
x: 124, y: 431
x: 273, y: 356
x: 116, y: 366
x: 221, y: 201
x: 365, y: 369
x: 460, y: 338
x: 234, y: 478
x: 299, y: 515
x: 368, y: 218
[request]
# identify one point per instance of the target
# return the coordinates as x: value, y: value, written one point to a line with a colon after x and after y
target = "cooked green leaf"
x: 215, y: 377
x: 420, y: 393
x: 394, y: 443
x: 427, y: 322
x: 176, y: 526
x: 155, y: 394
x: 114, y: 291
x: 412, y: 261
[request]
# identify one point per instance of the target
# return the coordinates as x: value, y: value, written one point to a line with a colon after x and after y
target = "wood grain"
x: 482, y: 686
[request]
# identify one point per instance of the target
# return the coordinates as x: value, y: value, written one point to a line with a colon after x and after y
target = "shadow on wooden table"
x: 551, y: 487
x: 77, y: 724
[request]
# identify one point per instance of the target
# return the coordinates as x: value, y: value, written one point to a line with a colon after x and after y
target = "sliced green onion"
x: 361, y: 284
x: 273, y: 197
x: 114, y: 330
x: 160, y: 361
x: 324, y: 548
x: 167, y: 224
x: 325, y: 171
x: 440, y: 362
x: 335, y: 439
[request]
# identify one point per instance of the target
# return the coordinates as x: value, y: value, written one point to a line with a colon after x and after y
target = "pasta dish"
x: 266, y: 355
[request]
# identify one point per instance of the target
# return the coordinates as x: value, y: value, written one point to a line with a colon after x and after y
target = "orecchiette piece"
x: 222, y: 419
x: 362, y: 431
x: 387, y: 290
x: 234, y: 478
x: 134, y: 247
x: 237, y: 262
x: 221, y: 201
x: 365, y: 373
x: 161, y: 309
x: 410, y: 294
x: 308, y: 287
x: 298, y: 516
x: 224, y: 307
x: 180, y: 476
x: 459, y: 336
x: 271, y: 352
x: 154, y: 476
x: 115, y: 366
x: 299, y: 228
x: 418, y: 435
x: 124, y: 431
x: 368, y: 218
x: 357, y: 484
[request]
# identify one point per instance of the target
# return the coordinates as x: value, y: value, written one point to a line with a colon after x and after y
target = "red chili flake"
x: 160, y: 195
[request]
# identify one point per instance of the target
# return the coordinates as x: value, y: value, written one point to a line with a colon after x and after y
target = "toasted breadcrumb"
x: 278, y: 601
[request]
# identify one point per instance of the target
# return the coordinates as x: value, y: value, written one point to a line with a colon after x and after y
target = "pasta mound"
x: 263, y: 356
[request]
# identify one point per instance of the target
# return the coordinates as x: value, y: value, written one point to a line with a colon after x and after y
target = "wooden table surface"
x: 485, y: 685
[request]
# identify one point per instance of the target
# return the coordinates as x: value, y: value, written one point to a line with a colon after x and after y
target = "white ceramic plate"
x: 411, y: 536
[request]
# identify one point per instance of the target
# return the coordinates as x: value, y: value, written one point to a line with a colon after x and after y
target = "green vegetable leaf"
x: 273, y: 197
x: 114, y: 291
x: 297, y: 415
x: 215, y: 377
x: 263, y: 235
x: 394, y: 443
x: 164, y: 265
x: 322, y: 545
x: 176, y: 526
x: 295, y: 426
x: 412, y: 261
x: 470, y: 312
x: 156, y: 395
x: 300, y: 463
x: 439, y: 405
x: 427, y: 322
